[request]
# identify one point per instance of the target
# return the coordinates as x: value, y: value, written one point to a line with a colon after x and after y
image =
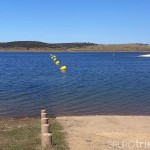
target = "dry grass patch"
x: 19, y: 134
x: 24, y: 134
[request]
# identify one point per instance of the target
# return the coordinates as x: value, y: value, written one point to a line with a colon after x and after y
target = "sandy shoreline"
x: 107, y: 132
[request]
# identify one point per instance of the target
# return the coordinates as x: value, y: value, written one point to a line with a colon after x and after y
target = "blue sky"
x: 54, y: 21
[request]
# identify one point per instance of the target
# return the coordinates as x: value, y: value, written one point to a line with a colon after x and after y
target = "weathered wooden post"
x: 43, y: 111
x: 45, y: 128
x: 44, y: 121
x: 46, y: 140
x: 43, y: 115
x: 46, y: 136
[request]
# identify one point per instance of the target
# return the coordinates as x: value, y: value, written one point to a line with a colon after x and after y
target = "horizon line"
x: 75, y: 42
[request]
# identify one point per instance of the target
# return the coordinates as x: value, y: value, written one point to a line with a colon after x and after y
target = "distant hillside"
x: 34, y: 44
x: 31, y: 46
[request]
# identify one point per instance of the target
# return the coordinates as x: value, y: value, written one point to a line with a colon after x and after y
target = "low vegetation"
x: 24, y: 134
x: 59, y: 142
x: 35, y: 46
x: 28, y: 45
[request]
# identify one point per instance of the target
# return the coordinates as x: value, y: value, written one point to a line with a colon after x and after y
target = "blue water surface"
x: 94, y: 84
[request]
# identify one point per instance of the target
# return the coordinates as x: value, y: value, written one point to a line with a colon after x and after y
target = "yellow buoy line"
x: 57, y: 62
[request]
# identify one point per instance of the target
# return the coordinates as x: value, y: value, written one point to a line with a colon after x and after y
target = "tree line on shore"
x: 71, y: 47
x: 36, y: 44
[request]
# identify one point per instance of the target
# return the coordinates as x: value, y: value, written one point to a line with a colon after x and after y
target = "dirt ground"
x: 107, y: 132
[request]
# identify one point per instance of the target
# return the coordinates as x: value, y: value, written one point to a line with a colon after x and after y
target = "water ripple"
x: 95, y: 83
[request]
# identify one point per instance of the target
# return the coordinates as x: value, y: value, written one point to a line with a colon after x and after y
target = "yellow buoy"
x: 54, y: 59
x: 57, y: 62
x: 63, y: 68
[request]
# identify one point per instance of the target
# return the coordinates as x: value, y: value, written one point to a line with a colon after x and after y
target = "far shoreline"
x: 63, y: 51
x: 35, y: 46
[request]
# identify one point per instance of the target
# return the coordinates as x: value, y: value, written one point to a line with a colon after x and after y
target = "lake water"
x: 94, y: 84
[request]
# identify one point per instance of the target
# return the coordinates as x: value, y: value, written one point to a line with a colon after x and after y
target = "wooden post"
x: 45, y: 128
x: 44, y: 121
x: 46, y: 136
x: 43, y: 115
x: 43, y: 111
x: 46, y: 140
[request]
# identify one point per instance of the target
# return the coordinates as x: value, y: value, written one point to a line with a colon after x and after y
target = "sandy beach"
x: 107, y: 132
